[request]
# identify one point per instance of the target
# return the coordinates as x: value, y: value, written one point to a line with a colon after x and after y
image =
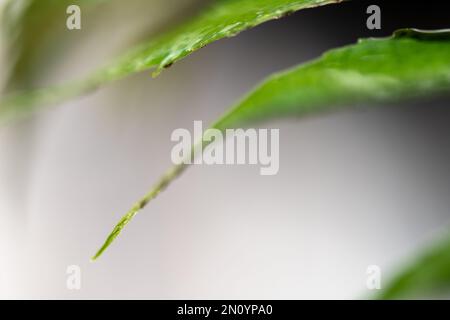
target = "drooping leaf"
x: 427, y: 276
x: 409, y: 64
x: 225, y: 18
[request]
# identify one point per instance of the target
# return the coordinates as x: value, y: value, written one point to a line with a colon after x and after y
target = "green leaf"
x: 409, y: 64
x: 27, y: 26
x: 427, y: 276
x: 225, y: 18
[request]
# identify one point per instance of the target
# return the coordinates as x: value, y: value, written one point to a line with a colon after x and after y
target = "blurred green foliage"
x: 427, y: 276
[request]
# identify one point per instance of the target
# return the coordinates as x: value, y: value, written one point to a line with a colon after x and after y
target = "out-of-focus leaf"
x: 427, y: 276
x: 409, y: 64
x: 26, y: 26
x: 225, y: 18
